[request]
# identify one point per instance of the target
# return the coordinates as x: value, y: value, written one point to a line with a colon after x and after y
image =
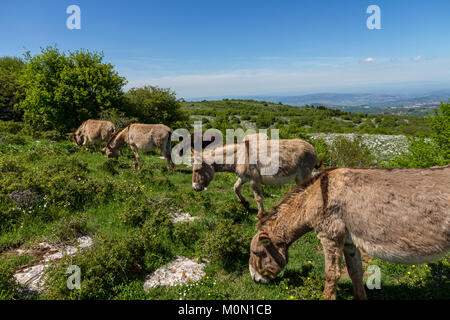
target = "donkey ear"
x: 264, y: 239
x: 247, y: 144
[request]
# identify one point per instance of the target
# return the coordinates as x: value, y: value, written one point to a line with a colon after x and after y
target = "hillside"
x: 263, y: 114
x: 53, y: 194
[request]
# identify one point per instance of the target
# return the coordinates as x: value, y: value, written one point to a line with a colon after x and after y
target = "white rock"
x: 178, y: 272
x: 180, y: 217
x: 32, y: 277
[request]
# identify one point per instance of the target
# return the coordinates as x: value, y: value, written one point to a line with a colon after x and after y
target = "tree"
x: 440, y: 124
x: 424, y: 153
x: 62, y: 91
x: 10, y: 92
x: 151, y: 104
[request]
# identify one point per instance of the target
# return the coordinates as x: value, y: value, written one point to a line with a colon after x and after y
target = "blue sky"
x: 232, y: 48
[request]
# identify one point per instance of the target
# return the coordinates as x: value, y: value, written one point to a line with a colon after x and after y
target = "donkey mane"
x: 116, y: 134
x: 292, y: 193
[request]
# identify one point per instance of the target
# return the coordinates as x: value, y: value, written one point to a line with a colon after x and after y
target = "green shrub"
x: 227, y: 245
x: 344, y: 152
x: 9, y: 289
x: 11, y: 127
x: 69, y: 228
x: 233, y: 210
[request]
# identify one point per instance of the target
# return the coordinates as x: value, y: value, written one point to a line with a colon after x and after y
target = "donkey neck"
x: 224, y: 159
x: 289, y: 222
x: 120, y: 139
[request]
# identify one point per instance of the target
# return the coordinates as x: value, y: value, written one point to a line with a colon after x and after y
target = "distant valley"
x: 401, y: 104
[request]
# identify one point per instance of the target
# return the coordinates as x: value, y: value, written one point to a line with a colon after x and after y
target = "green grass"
x: 84, y: 193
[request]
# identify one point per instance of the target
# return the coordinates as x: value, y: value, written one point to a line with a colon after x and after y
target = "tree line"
x: 55, y: 90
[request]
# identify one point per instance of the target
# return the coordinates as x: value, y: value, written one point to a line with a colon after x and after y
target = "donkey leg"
x: 355, y: 271
x: 237, y: 190
x: 333, y: 251
x: 136, y: 156
x: 257, y: 191
x: 85, y: 140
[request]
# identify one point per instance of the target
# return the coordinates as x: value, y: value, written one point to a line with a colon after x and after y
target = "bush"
x: 155, y: 105
x: 421, y: 153
x: 136, y: 211
x: 69, y: 228
x: 10, y: 91
x: 11, y: 127
x: 424, y: 153
x: 226, y: 245
x: 344, y: 152
x: 61, y: 91
x: 9, y: 289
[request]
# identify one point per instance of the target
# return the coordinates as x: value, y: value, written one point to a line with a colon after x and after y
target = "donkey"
x: 93, y: 131
x: 186, y: 144
x: 397, y: 215
x: 141, y: 136
x: 296, y: 160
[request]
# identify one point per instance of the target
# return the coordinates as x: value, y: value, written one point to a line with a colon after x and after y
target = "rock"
x: 178, y: 272
x: 32, y: 277
x: 180, y: 217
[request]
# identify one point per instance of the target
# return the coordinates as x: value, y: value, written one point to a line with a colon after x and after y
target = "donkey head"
x: 267, y: 259
x: 110, y: 152
x: 77, y: 136
x: 202, y: 173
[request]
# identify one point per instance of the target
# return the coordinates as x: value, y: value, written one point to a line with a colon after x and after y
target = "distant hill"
x: 365, y: 103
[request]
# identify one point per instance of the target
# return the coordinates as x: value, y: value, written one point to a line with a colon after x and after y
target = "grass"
x: 126, y: 212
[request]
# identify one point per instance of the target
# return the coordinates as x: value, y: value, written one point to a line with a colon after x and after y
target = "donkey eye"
x: 258, y: 253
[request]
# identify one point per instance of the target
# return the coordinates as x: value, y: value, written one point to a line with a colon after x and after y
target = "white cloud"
x: 274, y: 81
x: 368, y: 60
x: 417, y: 58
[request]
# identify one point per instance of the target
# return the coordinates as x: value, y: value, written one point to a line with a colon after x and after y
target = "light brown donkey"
x: 93, y: 131
x: 398, y: 215
x: 141, y: 137
x: 294, y: 160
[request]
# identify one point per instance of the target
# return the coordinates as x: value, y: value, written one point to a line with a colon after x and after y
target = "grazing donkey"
x: 296, y: 160
x: 188, y: 143
x: 397, y: 215
x: 93, y: 131
x: 144, y: 137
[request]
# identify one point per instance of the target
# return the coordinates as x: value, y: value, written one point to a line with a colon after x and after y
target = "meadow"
x: 52, y: 190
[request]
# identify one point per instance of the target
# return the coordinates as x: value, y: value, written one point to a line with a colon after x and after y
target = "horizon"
x: 234, y: 49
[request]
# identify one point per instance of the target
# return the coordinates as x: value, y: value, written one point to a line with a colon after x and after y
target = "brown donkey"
x: 93, y: 131
x: 397, y: 215
x: 296, y: 160
x: 141, y: 137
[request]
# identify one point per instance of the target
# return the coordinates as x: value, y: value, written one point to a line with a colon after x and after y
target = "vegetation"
x: 154, y: 105
x: 50, y: 189
x: 53, y: 190
x: 299, y: 121
x: 10, y: 92
x: 434, y: 151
